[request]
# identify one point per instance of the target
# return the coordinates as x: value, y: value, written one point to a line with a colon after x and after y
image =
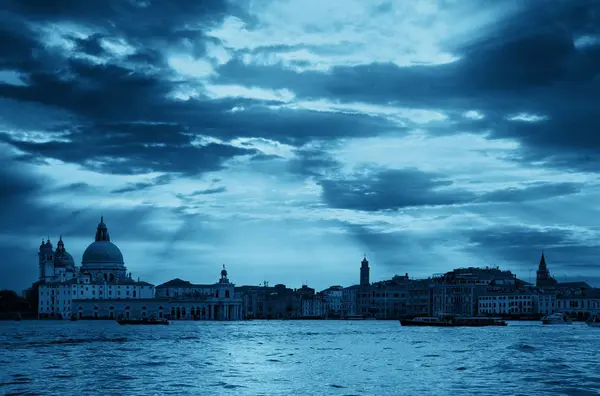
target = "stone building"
x: 188, y: 301
x: 457, y: 292
x: 510, y: 303
x: 101, y: 288
x: 102, y: 276
x: 349, y: 303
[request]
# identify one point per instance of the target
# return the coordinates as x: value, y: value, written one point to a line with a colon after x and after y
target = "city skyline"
x: 286, y: 139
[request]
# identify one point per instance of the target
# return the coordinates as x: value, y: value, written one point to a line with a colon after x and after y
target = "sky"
x: 287, y: 138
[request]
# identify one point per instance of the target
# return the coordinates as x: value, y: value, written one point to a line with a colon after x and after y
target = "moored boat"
x: 557, y: 318
x: 143, y: 321
x: 353, y: 317
x: 452, y: 321
x: 594, y: 321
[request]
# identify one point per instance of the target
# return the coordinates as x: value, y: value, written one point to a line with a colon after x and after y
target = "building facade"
x: 516, y: 303
x: 102, y: 276
x: 101, y: 288
x: 188, y: 301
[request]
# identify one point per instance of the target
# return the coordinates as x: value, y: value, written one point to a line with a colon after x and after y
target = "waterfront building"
x: 457, y: 292
x: 312, y: 306
x: 349, y: 303
x: 547, y: 303
x: 579, y: 303
x: 332, y: 301
x: 389, y: 299
x: 102, y: 275
x: 509, y: 303
x: 186, y: 300
x: 101, y: 288
x: 266, y: 302
x: 419, y: 297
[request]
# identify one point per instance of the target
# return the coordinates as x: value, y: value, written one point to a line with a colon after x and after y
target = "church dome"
x: 102, y: 252
x: 63, y: 259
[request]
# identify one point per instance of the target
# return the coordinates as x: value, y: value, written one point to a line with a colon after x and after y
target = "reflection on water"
x: 296, y: 357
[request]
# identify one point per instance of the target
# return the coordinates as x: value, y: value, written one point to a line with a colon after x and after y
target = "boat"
x: 353, y: 317
x: 557, y: 318
x: 452, y: 321
x: 143, y: 321
x: 594, y: 321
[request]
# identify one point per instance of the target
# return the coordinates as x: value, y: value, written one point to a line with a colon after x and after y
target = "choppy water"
x: 296, y: 358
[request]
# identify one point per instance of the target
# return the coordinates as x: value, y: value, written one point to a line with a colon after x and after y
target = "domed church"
x: 102, y: 258
x: 101, y: 288
x: 102, y: 276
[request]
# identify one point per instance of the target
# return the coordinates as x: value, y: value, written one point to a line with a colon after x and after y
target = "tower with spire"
x: 364, y: 272
x: 543, y: 277
x: 46, y: 260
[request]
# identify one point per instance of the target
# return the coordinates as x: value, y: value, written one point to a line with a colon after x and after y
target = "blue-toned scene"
x: 299, y: 197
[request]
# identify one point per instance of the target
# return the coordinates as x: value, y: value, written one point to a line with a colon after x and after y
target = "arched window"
x: 226, y: 293
x: 217, y: 294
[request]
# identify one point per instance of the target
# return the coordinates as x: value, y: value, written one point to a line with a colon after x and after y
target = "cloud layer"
x: 286, y: 138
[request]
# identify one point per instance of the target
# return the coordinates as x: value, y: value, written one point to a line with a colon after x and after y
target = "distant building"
x: 312, y: 307
x: 103, y: 289
x: 62, y: 286
x: 507, y: 303
x: 578, y: 302
x: 364, y: 272
x: 186, y: 300
x: 349, y: 303
x: 332, y: 301
x: 457, y: 292
x: 543, y: 278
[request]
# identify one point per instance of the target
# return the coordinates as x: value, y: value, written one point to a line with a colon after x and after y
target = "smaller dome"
x: 63, y: 259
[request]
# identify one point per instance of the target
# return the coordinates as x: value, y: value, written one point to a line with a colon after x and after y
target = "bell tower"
x: 543, y: 277
x: 46, y: 260
x: 364, y: 272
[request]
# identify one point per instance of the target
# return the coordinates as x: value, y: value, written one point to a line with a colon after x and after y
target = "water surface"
x: 296, y: 358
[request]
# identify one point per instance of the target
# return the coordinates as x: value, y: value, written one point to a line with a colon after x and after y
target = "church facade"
x: 101, y: 288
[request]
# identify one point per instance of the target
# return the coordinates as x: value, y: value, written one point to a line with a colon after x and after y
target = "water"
x: 296, y: 358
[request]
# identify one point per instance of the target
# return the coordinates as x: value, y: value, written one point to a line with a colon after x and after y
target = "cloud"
x: 220, y: 130
x: 131, y: 187
x: 392, y: 189
x: 210, y: 191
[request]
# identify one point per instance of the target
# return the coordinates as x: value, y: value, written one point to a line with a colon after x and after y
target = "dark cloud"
x: 133, y: 149
x: 528, y: 64
x: 210, y: 191
x: 566, y: 250
x: 131, y: 187
x: 74, y: 187
x: 313, y: 161
x: 536, y: 191
x: 391, y: 189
